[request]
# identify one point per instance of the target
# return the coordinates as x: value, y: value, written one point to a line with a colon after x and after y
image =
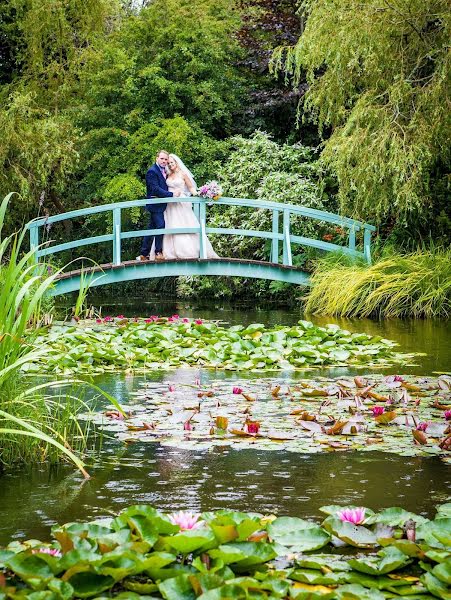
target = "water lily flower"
x: 187, y: 426
x: 237, y: 390
x: 422, y: 426
x: 98, y: 320
x: 120, y: 317
x: 448, y: 415
x: 253, y: 427
x: 51, y: 551
x: 377, y: 410
x: 176, y: 317
x: 185, y: 320
x: 171, y: 387
x: 108, y: 319
x: 356, y: 516
x: 148, y: 320
x: 197, y: 381
x: 186, y: 520
x: 198, y: 321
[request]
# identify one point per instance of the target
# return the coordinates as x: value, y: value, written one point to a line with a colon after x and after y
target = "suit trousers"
x: 156, y: 221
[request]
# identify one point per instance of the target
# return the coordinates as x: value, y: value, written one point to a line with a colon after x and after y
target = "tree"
x: 379, y: 76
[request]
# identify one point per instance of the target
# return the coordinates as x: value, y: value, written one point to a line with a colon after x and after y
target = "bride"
x: 180, y: 214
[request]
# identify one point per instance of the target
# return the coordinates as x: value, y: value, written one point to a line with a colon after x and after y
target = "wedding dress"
x: 178, y: 215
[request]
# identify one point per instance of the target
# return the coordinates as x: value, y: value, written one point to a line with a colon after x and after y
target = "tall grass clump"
x: 36, y: 421
x: 416, y: 285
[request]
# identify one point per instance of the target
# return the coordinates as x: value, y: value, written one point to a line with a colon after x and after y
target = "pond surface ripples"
x: 32, y: 500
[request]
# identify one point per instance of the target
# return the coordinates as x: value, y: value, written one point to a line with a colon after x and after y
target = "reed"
x: 35, y: 422
x: 415, y: 285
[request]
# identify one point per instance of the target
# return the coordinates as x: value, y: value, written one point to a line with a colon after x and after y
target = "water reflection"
x: 248, y: 480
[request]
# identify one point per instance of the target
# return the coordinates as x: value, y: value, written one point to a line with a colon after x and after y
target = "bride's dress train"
x: 178, y: 215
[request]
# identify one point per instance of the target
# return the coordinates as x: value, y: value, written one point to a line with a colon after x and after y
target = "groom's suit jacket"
x: 156, y: 188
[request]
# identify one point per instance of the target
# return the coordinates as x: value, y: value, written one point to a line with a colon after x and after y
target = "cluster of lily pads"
x: 404, y: 415
x: 355, y: 554
x: 140, y: 344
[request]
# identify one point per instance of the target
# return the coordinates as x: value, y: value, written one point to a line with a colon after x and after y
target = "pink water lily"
x: 448, y: 415
x: 186, y: 520
x: 171, y: 387
x: 185, y: 320
x: 120, y: 317
x: 51, y: 551
x: 356, y: 516
x: 237, y: 390
x: 253, y: 427
x: 198, y: 321
x: 377, y: 410
x: 422, y: 426
x: 148, y: 320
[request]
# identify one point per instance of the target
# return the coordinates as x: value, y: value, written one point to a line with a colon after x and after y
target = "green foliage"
x: 409, y: 285
x: 33, y: 425
x: 145, y: 344
x: 260, y: 168
x: 173, y: 57
x: 379, y: 80
x: 143, y: 553
x: 37, y: 152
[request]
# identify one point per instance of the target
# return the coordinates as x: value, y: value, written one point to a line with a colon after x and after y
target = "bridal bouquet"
x: 211, y: 190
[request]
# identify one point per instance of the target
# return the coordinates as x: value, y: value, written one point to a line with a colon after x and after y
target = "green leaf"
x: 299, y: 534
x: 355, y: 535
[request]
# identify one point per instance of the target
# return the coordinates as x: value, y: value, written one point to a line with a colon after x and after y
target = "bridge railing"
x: 281, y: 235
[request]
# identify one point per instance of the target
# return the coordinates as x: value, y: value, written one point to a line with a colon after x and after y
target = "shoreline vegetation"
x: 416, y: 284
x: 37, y: 422
x: 355, y: 553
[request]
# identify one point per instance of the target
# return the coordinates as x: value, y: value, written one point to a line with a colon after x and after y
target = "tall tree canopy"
x: 379, y: 77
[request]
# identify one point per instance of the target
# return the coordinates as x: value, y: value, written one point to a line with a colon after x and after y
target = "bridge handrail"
x: 250, y: 203
x: 278, y: 233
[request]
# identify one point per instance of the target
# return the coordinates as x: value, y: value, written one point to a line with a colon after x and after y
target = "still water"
x: 34, y: 499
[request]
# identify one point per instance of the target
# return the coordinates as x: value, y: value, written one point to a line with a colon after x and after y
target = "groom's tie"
x: 163, y: 172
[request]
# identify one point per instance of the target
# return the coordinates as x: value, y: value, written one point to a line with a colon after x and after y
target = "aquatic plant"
x: 186, y: 520
x: 142, y: 553
x: 89, y: 347
x: 313, y: 415
x: 397, y: 285
x: 356, y: 516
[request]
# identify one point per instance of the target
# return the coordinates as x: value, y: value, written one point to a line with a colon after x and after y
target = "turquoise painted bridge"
x: 279, y: 266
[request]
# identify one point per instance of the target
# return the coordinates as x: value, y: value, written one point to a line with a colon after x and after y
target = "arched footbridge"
x: 279, y: 240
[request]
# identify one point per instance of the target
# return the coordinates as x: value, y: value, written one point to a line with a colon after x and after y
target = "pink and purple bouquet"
x: 211, y: 190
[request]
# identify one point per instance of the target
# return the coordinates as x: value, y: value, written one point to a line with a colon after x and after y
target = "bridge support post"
x: 351, y: 244
x: 275, y: 238
x: 287, y: 259
x: 203, y: 234
x: 367, y: 244
x: 117, y: 236
x: 34, y: 242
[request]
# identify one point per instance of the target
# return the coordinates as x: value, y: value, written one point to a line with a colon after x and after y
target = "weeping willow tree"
x: 379, y: 86
x: 44, y: 46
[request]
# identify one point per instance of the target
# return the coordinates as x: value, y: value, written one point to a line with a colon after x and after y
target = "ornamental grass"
x: 414, y: 285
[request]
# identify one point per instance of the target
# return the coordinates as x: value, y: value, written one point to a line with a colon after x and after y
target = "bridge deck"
x: 133, y: 270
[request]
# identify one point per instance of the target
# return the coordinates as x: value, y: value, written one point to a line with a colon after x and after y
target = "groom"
x: 156, y: 188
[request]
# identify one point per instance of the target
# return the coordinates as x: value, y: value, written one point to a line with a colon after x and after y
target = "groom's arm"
x: 153, y: 187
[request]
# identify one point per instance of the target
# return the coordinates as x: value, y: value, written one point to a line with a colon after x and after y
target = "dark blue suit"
x: 156, y: 188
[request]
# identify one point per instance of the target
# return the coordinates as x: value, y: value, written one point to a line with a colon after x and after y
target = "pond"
x: 275, y: 481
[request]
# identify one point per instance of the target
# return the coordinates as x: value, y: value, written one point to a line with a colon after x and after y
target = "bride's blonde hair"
x: 175, y: 159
